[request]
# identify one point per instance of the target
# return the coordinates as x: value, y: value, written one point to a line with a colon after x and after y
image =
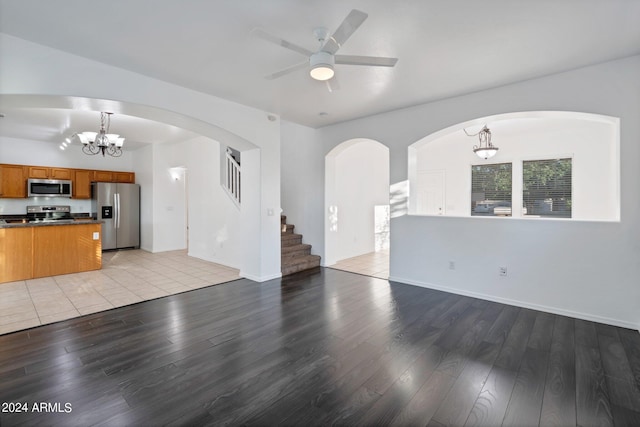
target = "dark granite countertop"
x: 20, y: 224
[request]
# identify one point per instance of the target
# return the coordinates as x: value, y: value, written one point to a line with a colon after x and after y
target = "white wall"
x: 143, y: 161
x: 214, y: 221
x: 581, y: 268
x: 357, y: 179
x: 591, y: 141
x: 250, y: 222
x: 38, y: 76
x: 169, y: 197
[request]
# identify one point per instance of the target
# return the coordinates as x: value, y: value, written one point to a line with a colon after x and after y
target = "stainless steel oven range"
x: 49, y: 213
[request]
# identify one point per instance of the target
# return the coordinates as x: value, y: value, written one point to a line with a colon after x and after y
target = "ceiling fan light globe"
x: 322, y: 72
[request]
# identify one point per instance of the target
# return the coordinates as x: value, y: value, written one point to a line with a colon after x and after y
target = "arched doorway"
x: 357, y: 207
x: 165, y: 191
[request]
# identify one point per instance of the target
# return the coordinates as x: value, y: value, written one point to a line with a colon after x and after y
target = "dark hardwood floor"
x: 321, y: 348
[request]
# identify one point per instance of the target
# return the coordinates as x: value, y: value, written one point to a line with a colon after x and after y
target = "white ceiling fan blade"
x: 377, y: 61
x: 258, y: 32
x: 344, y: 31
x: 288, y: 70
x: 332, y: 84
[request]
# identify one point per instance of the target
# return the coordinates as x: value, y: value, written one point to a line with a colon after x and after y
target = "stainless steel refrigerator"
x: 118, y: 205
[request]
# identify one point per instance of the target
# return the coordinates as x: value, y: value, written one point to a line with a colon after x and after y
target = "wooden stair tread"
x: 294, y: 251
x: 286, y: 236
x: 288, y: 228
x: 301, y: 263
x: 302, y: 259
x: 290, y: 239
x: 293, y: 248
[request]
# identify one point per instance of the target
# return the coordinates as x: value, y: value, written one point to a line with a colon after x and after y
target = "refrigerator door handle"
x: 116, y: 197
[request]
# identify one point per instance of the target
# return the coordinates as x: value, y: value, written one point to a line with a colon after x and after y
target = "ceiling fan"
x: 321, y: 62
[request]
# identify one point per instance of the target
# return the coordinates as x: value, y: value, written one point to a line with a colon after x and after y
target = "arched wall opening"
x: 440, y: 165
x: 169, y: 201
x: 356, y: 199
x: 32, y: 69
x: 131, y: 109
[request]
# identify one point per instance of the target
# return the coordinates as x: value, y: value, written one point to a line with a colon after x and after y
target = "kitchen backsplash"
x: 19, y: 206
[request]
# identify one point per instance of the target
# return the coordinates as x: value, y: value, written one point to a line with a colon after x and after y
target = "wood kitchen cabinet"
x: 16, y: 245
x: 13, y: 182
x: 44, y: 172
x: 126, y: 177
x: 83, y: 179
x: 43, y: 251
x: 82, y: 183
x: 13, y: 179
x: 114, y: 176
x: 103, y: 176
x: 65, y: 249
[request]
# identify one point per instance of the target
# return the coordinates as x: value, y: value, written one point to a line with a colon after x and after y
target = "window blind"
x: 546, y: 188
x: 491, y: 189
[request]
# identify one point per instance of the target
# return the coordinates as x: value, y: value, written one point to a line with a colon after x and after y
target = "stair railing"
x: 232, y: 178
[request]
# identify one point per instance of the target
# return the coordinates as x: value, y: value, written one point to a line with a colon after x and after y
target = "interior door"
x: 430, y: 198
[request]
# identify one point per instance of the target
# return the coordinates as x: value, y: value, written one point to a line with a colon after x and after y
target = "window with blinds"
x: 491, y: 190
x: 546, y: 188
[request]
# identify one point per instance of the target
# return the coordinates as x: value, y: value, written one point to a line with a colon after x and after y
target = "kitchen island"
x: 31, y: 250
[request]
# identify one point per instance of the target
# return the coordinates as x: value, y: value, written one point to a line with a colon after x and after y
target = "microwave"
x: 48, y: 188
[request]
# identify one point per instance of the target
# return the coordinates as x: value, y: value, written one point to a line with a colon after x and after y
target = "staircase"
x: 295, y: 255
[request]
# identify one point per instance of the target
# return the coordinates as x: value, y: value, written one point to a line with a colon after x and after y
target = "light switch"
x: 96, y: 235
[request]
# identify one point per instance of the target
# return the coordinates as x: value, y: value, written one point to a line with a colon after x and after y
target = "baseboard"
x: 212, y: 259
x: 260, y: 278
x: 518, y: 303
x: 327, y: 263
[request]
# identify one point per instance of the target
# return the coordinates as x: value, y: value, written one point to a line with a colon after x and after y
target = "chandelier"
x: 485, y: 149
x: 102, y: 142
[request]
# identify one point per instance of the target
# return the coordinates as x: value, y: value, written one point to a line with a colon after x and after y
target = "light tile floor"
x: 374, y: 264
x: 126, y: 277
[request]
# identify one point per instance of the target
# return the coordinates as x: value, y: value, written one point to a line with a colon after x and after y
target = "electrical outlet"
x: 452, y: 265
x: 503, y: 271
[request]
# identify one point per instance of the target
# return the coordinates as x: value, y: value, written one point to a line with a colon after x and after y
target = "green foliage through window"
x: 491, y: 189
x: 547, y: 188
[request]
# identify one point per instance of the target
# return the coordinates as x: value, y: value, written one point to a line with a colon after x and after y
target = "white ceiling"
x: 56, y: 124
x: 445, y: 47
